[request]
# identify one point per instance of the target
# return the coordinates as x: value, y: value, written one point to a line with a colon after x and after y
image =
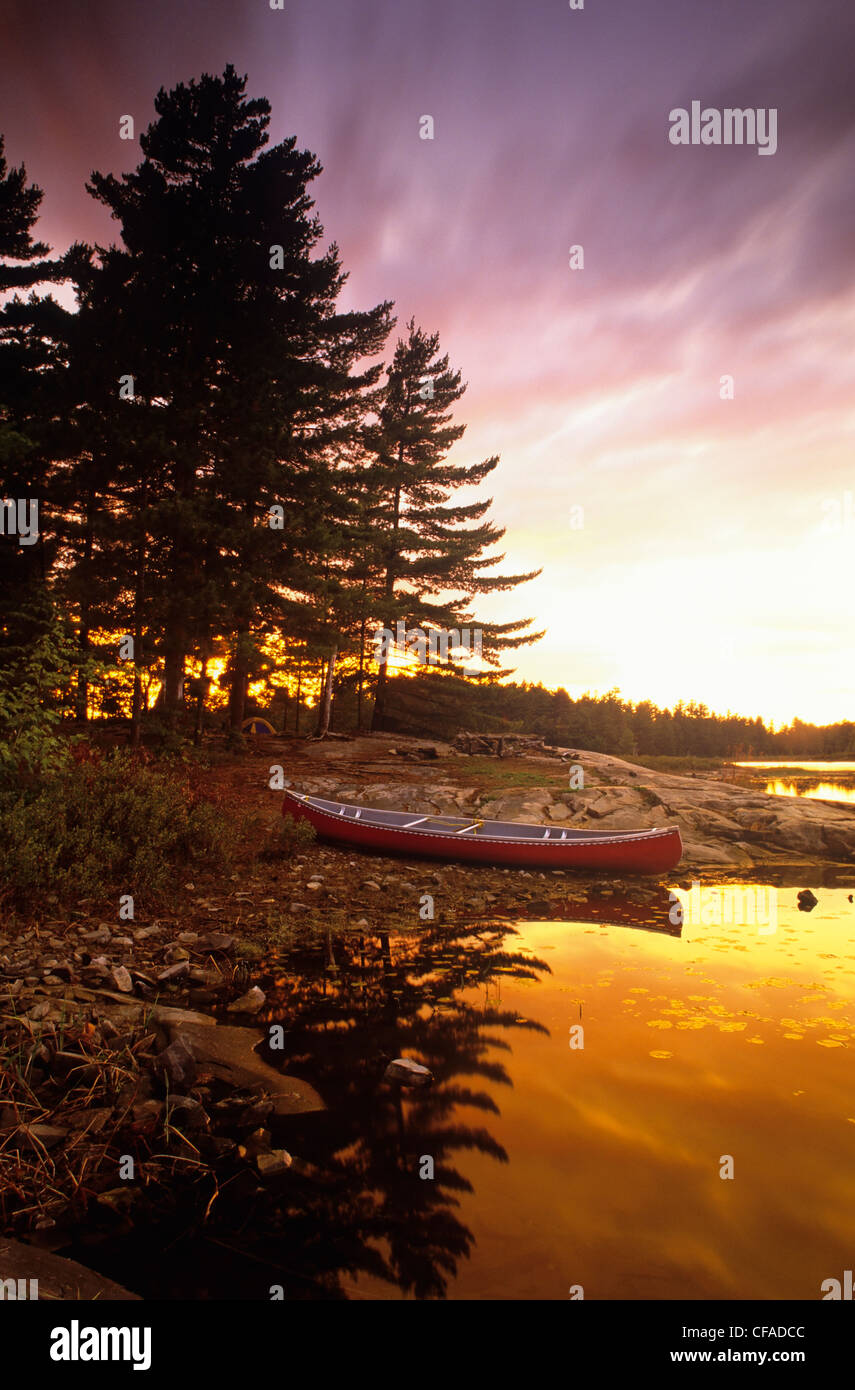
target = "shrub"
x: 105, y: 824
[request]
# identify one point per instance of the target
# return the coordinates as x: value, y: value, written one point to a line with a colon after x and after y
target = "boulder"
x: 57, y: 1277
x: 229, y: 1053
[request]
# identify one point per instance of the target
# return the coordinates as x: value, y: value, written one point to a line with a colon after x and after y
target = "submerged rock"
x: 407, y: 1072
x: 807, y: 901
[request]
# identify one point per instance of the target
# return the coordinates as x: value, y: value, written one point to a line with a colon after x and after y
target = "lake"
x: 840, y: 788
x: 705, y: 1045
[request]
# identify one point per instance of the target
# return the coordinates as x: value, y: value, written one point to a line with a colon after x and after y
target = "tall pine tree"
x: 430, y: 551
x: 244, y: 376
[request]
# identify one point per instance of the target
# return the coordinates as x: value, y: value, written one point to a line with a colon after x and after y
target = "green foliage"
x: 293, y: 835
x: 40, y: 661
x: 97, y: 826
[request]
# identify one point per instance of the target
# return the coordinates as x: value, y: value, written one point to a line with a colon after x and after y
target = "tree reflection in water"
x: 368, y: 1209
x: 354, y: 1203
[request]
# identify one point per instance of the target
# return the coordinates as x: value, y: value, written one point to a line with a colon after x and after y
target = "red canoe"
x: 507, y: 843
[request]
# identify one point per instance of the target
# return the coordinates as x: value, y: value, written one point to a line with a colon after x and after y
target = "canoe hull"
x: 635, y: 852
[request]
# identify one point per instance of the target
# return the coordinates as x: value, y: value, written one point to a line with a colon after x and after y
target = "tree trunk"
x: 139, y: 592
x: 173, y: 675
x: 240, y: 680
x: 204, y: 684
x: 82, y: 700
x: 81, y: 711
x: 325, y: 706
x: 361, y: 680
x: 378, y: 716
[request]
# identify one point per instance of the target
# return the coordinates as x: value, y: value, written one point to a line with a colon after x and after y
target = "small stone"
x: 217, y: 941
x: 178, y: 1062
x: 148, y: 1112
x: 277, y: 1161
x: 188, y: 937
x: 369, y: 883
x: 176, y: 953
x: 100, y: 936
x: 407, y: 1072
x: 185, y: 1112
x: 44, y: 1135
x: 248, y: 1003
x: 174, y: 972
x: 807, y: 900
x: 122, y: 980
x: 258, y: 1141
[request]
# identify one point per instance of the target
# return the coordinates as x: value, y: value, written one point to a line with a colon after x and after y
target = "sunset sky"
x: 717, y: 556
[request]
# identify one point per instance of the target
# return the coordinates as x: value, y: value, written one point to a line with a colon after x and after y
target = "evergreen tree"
x: 431, y: 556
x: 33, y: 338
x: 245, y: 377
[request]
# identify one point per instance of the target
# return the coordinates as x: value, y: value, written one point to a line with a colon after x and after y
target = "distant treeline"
x: 439, y: 705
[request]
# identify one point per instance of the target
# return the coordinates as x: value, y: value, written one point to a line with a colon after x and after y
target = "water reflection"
x: 839, y: 765
x: 818, y: 791
x: 553, y: 1165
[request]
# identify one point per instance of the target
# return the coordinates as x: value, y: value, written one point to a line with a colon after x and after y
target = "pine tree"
x: 33, y: 335
x: 245, y: 377
x: 431, y: 557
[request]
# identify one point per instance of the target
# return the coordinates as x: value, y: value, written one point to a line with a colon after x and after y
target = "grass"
x: 514, y: 772
x: 666, y: 762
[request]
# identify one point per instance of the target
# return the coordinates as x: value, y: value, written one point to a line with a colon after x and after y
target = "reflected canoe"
x: 509, y: 844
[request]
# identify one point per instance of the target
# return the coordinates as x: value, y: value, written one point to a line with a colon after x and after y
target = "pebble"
x: 407, y: 1072
x: 217, y: 941
x: 178, y: 1062
x: 122, y: 980
x: 174, y: 972
x: 101, y: 936
x: 248, y: 1003
x: 277, y: 1161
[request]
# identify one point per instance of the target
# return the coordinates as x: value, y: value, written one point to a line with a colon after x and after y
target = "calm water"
x: 841, y: 788
x: 839, y: 766
x: 816, y: 791
x: 555, y: 1166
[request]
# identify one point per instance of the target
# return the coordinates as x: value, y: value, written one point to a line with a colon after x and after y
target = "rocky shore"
x: 151, y: 1037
